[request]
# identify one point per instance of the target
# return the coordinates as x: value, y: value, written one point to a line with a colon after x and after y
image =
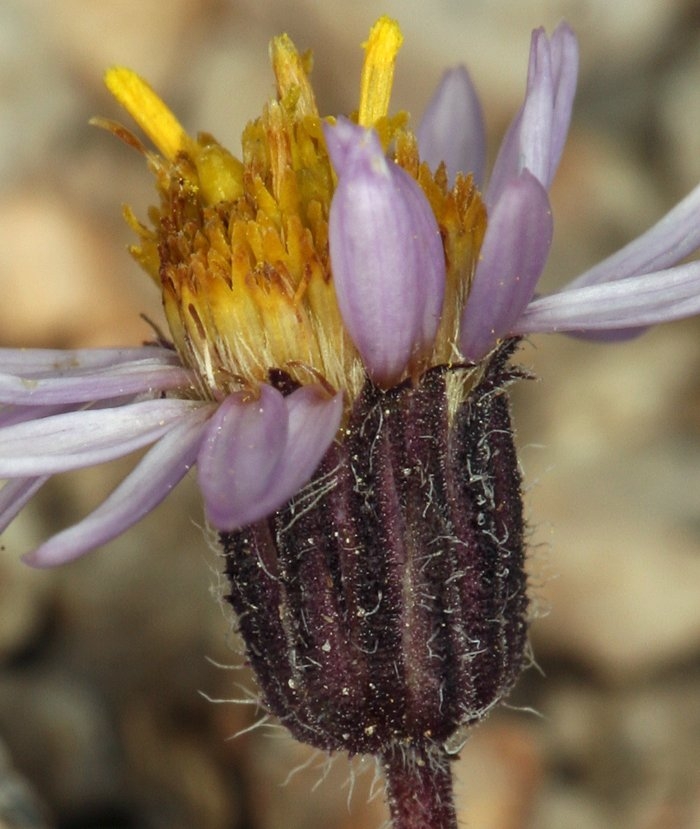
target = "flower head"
x: 274, y: 327
x: 329, y: 252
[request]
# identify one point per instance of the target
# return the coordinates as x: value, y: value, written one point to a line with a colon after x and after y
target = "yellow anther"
x: 220, y: 174
x: 240, y: 247
x: 147, y: 109
x: 292, y: 73
x: 381, y: 48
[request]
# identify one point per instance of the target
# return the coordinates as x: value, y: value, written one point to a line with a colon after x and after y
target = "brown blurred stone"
x: 52, y: 266
x: 20, y: 808
x: 24, y: 602
x: 498, y: 776
x: 174, y: 774
x: 562, y: 806
x: 679, y: 106
x: 60, y: 734
x: 147, y: 36
x: 297, y: 787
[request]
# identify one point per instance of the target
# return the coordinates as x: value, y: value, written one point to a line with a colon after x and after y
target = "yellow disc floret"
x: 149, y: 112
x: 239, y: 246
x: 377, y: 79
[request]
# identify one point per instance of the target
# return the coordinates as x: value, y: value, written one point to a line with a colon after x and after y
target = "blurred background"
x: 106, y: 665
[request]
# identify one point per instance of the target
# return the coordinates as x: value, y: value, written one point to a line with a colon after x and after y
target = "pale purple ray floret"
x: 385, y: 246
x: 254, y: 452
x: 62, y: 410
x: 68, y: 409
x: 638, y: 286
x: 456, y: 137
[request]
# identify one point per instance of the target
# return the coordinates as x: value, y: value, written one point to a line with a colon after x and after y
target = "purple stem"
x: 419, y: 788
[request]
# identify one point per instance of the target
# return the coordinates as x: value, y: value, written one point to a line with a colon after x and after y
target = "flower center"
x: 239, y: 247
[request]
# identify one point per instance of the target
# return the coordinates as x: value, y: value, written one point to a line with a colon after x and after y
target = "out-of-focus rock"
x: 175, y: 776
x: 149, y: 37
x: 602, y: 744
x: 679, y: 105
x: 33, y: 109
x: 59, y: 728
x: 316, y: 791
x: 613, y: 499
x: 51, y: 261
x: 566, y: 806
x: 20, y: 808
x: 498, y: 775
x: 25, y: 594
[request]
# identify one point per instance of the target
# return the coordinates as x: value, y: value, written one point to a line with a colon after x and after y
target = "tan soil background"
x: 104, y: 664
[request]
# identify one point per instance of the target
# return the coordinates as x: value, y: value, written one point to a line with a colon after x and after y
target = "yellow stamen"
x: 147, y: 109
x: 239, y: 246
x: 381, y: 48
x: 292, y: 71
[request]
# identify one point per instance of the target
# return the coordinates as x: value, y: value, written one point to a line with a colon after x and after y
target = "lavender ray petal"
x: 630, y: 303
x: 671, y: 239
x: 51, y: 362
x: 314, y: 420
x: 84, y: 438
x: 256, y: 461
x: 15, y: 494
x: 129, y: 379
x: 9, y: 415
x: 513, y: 255
x: 506, y: 165
x: 422, y: 250
x: 240, y: 455
x: 452, y: 128
x: 158, y: 472
x: 386, y: 254
x: 528, y: 140
x: 612, y: 335
x: 536, y: 125
x: 565, y: 59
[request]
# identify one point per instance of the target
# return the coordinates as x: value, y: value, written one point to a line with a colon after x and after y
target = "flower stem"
x: 419, y: 788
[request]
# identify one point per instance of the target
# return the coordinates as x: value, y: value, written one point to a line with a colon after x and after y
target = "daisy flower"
x: 342, y: 300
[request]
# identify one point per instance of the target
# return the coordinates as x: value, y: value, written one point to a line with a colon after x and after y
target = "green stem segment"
x: 419, y: 788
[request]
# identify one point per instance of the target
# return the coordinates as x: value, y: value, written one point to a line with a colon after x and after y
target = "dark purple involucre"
x: 386, y: 604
